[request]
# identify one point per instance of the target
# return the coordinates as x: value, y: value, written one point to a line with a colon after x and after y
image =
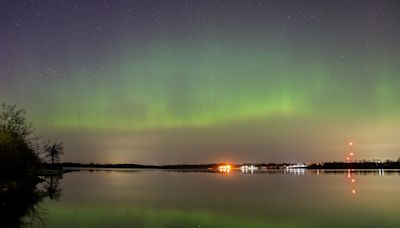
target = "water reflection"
x: 268, y: 198
x: 51, y: 187
x: 352, y: 180
x: 296, y: 171
x: 381, y: 172
x: 20, y: 200
x: 140, y: 197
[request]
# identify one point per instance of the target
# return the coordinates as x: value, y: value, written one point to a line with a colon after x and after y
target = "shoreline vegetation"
x: 22, y: 153
x: 23, y: 157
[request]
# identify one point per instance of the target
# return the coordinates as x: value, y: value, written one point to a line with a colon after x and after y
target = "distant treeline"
x: 357, y: 165
x: 135, y: 166
x: 326, y: 165
x: 175, y: 166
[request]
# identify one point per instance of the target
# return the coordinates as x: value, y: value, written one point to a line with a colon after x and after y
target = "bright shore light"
x: 224, y: 168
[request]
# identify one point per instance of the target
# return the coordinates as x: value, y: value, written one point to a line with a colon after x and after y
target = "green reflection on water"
x: 101, y: 216
x: 95, y: 216
x: 139, y: 217
x: 169, y: 199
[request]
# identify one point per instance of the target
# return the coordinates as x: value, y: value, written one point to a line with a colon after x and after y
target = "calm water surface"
x: 198, y: 199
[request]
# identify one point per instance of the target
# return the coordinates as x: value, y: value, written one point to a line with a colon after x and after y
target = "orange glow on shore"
x: 224, y: 168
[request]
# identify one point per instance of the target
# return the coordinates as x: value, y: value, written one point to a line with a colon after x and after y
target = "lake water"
x: 155, y: 198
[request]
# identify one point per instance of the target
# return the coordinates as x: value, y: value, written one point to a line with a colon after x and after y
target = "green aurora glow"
x: 205, y: 70
x: 218, y: 86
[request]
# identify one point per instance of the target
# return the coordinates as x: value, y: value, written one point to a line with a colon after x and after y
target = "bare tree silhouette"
x: 53, y: 152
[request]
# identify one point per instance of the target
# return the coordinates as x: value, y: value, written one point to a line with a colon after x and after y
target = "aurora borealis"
x: 206, y: 81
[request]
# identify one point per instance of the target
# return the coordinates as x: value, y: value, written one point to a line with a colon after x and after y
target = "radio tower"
x: 350, y: 156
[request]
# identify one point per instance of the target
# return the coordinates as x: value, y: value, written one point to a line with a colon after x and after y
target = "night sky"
x: 206, y: 81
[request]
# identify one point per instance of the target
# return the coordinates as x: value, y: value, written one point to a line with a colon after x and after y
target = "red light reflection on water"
x: 352, y: 180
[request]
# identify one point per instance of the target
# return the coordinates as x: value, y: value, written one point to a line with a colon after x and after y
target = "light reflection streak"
x: 297, y: 171
x: 352, y: 180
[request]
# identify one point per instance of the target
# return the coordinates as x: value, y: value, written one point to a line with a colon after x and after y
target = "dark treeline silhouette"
x: 189, y: 166
x: 135, y: 166
x: 357, y: 165
x: 174, y: 166
x: 96, y: 165
x: 267, y: 166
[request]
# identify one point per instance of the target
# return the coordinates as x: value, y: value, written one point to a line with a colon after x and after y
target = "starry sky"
x: 206, y: 80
